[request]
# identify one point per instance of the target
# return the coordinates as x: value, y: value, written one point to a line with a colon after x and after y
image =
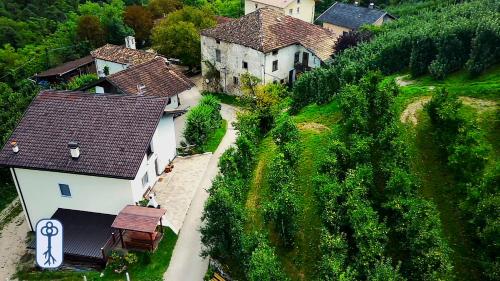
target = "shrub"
x: 202, y: 121
x: 485, y: 51
x: 423, y: 52
x: 224, y: 223
x: 264, y: 265
x: 81, y: 80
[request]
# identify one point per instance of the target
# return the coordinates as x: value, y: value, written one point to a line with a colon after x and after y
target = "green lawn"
x: 215, y: 139
x: 225, y: 98
x: 142, y: 270
x: 315, y: 124
x: 438, y: 185
x: 486, y: 86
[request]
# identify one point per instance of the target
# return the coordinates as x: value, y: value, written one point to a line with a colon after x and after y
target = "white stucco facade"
x: 113, y: 67
x: 301, y: 9
x: 234, y: 57
x: 41, y: 196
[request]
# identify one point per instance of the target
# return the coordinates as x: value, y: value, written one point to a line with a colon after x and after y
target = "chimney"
x: 141, y: 89
x: 74, y: 149
x: 356, y: 3
x: 15, y: 148
x: 130, y: 42
x: 371, y: 6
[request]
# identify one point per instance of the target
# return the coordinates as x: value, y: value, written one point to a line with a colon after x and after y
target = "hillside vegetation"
x: 342, y: 189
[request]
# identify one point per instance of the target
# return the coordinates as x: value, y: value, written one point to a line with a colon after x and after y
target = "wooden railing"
x: 109, y: 245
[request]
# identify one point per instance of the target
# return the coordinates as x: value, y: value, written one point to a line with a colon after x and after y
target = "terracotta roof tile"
x: 156, y: 76
x: 266, y: 30
x: 67, y: 67
x: 122, y: 54
x: 113, y: 132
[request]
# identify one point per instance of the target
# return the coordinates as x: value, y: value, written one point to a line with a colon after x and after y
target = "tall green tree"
x: 140, y: 20
x: 178, y: 35
x: 89, y: 29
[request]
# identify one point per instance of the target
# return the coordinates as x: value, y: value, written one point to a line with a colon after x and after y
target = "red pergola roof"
x: 138, y: 218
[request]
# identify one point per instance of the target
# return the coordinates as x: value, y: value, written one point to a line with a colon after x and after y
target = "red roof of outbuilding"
x: 138, y: 218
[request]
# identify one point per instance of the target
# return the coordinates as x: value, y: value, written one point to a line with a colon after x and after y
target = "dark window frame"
x: 275, y: 65
x: 64, y: 190
x: 218, y: 55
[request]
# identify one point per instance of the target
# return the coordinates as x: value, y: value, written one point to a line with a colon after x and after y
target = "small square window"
x: 290, y: 11
x: 282, y: 81
x: 298, y: 1
x: 275, y: 65
x: 275, y: 52
x: 217, y: 55
x: 65, y: 191
x: 145, y: 179
x: 298, y: 10
x: 235, y: 80
x: 245, y: 65
x: 217, y: 41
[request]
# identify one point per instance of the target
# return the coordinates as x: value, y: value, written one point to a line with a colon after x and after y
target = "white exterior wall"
x: 286, y: 63
x: 40, y: 190
x: 232, y: 57
x: 113, y: 67
x: 174, y: 102
x: 41, y: 193
x: 164, y: 149
x: 259, y: 64
x: 305, y: 12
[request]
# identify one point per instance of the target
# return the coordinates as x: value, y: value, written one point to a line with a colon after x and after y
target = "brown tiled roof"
x: 122, y: 54
x: 67, y: 67
x: 113, y: 132
x: 156, y: 76
x: 138, y: 218
x: 266, y: 30
x: 221, y: 19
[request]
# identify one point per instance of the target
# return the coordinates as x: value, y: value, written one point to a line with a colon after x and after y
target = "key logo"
x: 49, y: 243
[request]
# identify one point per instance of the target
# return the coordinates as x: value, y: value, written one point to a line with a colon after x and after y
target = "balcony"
x: 301, y: 68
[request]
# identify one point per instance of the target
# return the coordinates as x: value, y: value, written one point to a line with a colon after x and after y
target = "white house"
x: 301, y: 9
x: 151, y: 78
x: 110, y: 59
x: 94, y: 153
x: 269, y: 45
x: 341, y: 17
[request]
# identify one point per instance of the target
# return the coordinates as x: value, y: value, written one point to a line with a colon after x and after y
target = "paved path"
x: 177, y: 189
x: 186, y: 263
x: 12, y: 245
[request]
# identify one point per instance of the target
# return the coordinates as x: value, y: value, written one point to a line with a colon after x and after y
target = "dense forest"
x: 339, y: 188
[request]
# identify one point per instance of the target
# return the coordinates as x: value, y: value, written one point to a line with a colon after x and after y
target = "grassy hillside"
x: 315, y: 124
x: 427, y: 162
